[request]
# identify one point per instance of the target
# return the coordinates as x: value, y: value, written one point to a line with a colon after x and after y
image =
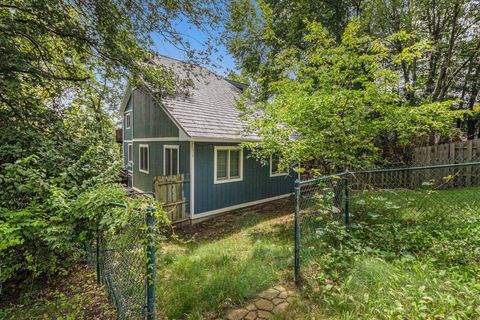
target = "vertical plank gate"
x: 169, y: 191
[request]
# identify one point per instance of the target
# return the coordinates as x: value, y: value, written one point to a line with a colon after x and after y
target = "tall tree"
x: 259, y: 31
x: 339, y: 103
x: 63, y: 65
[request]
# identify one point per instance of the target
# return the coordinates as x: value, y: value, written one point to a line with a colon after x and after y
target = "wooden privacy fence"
x: 448, y: 153
x: 169, y: 191
x: 432, y: 177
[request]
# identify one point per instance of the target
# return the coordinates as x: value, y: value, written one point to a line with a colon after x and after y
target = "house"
x: 198, y: 135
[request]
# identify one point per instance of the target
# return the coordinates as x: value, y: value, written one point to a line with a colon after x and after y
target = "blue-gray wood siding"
x: 149, y: 119
x: 256, y: 184
x: 127, y: 133
x: 144, y: 181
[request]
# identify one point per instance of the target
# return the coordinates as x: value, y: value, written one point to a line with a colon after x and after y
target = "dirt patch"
x: 74, y: 295
x: 233, y: 221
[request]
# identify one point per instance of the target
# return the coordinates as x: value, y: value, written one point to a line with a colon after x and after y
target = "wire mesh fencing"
x: 124, y: 259
x: 390, y: 213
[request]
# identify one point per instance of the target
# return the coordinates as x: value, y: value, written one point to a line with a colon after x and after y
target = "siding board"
x: 256, y: 184
x: 150, y: 120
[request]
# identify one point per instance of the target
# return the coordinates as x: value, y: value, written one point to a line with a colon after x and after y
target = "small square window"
x: 275, y: 166
x: 228, y: 164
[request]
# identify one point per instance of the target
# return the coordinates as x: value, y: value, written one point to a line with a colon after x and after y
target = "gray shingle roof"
x: 209, y: 109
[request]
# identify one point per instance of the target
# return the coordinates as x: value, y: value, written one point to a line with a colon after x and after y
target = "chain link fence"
x: 402, y: 201
x: 124, y: 260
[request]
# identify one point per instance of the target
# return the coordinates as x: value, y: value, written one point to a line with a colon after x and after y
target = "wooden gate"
x: 169, y: 191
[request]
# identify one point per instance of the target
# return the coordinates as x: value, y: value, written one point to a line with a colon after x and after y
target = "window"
x: 171, y: 160
x: 143, y: 158
x: 130, y: 152
x: 274, y: 166
x: 228, y: 164
x: 128, y: 120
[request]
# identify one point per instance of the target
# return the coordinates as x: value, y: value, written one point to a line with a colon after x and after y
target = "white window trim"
x: 140, y: 146
x: 215, y: 180
x: 169, y: 146
x: 129, y: 155
x: 279, y: 174
x: 125, y: 119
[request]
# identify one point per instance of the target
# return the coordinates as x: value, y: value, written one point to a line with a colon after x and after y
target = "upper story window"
x: 128, y: 120
x: 171, y: 162
x: 228, y: 164
x: 275, y: 166
x: 144, y: 161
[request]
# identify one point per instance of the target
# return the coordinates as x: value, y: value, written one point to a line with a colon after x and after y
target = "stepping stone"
x: 264, y: 314
x: 252, y: 315
x: 280, y: 308
x: 277, y: 301
x: 264, y: 304
x: 251, y: 307
x: 269, y: 294
x: 237, y: 314
x: 283, y: 295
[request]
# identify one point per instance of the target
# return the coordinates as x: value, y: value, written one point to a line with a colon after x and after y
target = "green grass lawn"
x: 227, y: 263
x: 406, y: 255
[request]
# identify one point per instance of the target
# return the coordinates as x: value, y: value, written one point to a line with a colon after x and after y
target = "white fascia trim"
x: 228, y: 180
x: 140, y: 146
x: 126, y: 96
x: 169, y: 146
x: 192, y: 179
x: 220, y: 140
x: 239, y: 206
x: 276, y: 174
x: 156, y: 139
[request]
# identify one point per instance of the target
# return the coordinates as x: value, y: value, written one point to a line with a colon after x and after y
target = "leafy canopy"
x: 337, y: 101
x: 63, y: 66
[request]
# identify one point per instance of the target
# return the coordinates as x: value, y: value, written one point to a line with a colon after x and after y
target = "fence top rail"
x: 302, y: 182
x: 439, y: 166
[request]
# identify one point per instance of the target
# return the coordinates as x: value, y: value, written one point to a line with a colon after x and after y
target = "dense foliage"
x: 338, y: 101
x: 407, y: 254
x: 260, y: 30
x: 64, y: 65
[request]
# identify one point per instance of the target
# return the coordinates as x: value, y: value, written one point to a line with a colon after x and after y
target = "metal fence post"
x: 98, y: 256
x: 297, y: 232
x: 151, y: 268
x: 347, y: 208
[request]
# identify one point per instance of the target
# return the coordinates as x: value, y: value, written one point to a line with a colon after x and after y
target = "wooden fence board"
x: 451, y: 153
x: 169, y: 191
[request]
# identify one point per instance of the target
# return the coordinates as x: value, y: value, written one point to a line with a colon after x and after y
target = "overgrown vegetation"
x: 409, y: 254
x: 75, y: 296
x: 63, y: 69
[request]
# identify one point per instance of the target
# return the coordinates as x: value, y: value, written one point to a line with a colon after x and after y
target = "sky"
x: 196, y: 37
